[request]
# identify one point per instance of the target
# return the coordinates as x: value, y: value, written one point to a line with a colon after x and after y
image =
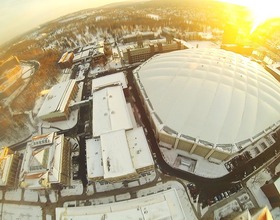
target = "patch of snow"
x: 76, y: 189
x: 53, y: 196
x: 254, y: 185
x: 14, y: 195
x: 11, y: 211
x: 30, y: 195
x: 122, y: 197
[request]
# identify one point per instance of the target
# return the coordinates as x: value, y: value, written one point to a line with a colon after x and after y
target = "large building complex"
x: 46, y: 162
x: 118, y: 150
x: 56, y: 104
x: 208, y: 102
x: 164, y: 205
x: 9, y: 167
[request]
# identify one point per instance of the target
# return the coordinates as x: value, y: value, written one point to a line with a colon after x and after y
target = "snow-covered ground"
x: 22, y: 212
x: 14, y: 195
x: 30, y: 196
x: 53, y: 196
x: 74, y: 189
x: 254, y: 185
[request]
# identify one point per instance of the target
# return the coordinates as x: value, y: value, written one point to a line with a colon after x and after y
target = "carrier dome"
x: 210, y: 94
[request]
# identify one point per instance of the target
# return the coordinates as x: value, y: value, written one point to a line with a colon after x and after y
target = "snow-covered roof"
x: 163, y: 205
x: 116, y: 157
x: 42, y: 163
x: 110, y: 112
x: 117, y: 78
x: 94, y: 159
x: 122, y: 153
x: 210, y: 94
x: 57, y: 99
x: 139, y: 148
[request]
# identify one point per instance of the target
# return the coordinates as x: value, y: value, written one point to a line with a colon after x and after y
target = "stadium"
x: 209, y: 102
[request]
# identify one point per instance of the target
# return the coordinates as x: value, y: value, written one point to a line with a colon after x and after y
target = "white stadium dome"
x: 211, y: 94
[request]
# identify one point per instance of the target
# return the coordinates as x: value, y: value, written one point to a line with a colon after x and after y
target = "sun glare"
x: 261, y: 10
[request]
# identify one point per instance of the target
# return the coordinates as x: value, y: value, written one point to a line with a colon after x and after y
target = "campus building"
x: 134, y: 55
x: 66, y: 60
x: 46, y: 162
x: 118, y: 149
x: 56, y: 104
x: 163, y: 205
x: 9, y: 168
x: 208, y: 102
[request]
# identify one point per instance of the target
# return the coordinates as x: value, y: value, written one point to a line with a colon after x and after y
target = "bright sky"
x: 19, y: 16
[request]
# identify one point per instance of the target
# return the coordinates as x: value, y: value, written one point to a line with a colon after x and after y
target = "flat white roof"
x: 117, y: 78
x: 211, y: 94
x: 57, y: 98
x: 94, y: 158
x: 116, y: 157
x: 139, y: 148
x: 110, y: 111
x: 164, y: 205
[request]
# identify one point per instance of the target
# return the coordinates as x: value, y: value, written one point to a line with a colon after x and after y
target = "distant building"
x: 107, y: 48
x: 66, y: 60
x: 134, y: 55
x: 134, y: 37
x: 90, y: 53
x: 9, y: 168
x: 162, y: 205
x: 56, y: 104
x: 46, y: 162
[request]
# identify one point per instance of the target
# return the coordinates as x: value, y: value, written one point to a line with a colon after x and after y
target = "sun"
x: 261, y: 10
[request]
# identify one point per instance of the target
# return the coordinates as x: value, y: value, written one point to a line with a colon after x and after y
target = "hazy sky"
x: 18, y: 16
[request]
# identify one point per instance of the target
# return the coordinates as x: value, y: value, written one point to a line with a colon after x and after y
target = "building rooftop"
x: 110, y: 111
x: 117, y: 78
x: 210, y: 94
x: 164, y: 205
x: 116, y: 157
x: 42, y: 162
x: 57, y: 98
x: 118, y: 153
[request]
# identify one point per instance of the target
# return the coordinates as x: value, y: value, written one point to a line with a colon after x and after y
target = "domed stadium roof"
x: 211, y: 94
